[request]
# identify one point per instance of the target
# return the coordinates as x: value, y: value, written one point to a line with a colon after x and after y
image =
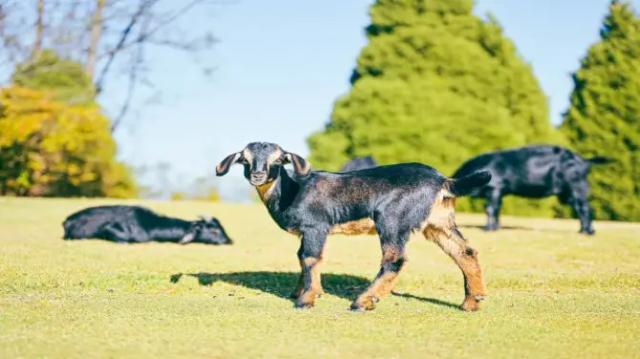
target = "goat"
x: 390, y: 200
x: 534, y: 172
x: 359, y: 163
x: 132, y: 224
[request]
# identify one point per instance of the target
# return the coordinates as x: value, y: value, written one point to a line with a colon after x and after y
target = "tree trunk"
x: 37, y: 43
x: 96, y: 34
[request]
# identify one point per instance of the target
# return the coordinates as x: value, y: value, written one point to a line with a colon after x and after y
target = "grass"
x: 553, y: 293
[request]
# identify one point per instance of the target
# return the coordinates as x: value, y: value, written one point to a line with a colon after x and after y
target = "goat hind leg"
x: 453, y: 244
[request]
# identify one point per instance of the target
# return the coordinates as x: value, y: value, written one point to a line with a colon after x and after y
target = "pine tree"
x: 436, y: 85
x: 604, y: 115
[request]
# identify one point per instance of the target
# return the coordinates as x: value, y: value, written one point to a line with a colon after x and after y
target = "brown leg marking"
x: 452, y: 243
x: 392, y: 262
x: 312, y: 284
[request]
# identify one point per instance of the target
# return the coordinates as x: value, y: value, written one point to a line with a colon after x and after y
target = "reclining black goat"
x: 132, y: 224
x: 535, y: 172
x: 390, y: 200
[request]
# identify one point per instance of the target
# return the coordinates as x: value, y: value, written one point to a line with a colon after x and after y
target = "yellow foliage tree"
x: 50, y: 148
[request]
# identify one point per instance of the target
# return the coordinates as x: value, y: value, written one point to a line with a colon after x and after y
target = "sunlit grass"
x: 553, y: 293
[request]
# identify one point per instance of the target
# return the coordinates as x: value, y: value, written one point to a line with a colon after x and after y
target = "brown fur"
x: 361, y: 226
x: 440, y: 228
x: 384, y: 282
x: 308, y: 297
x: 265, y: 190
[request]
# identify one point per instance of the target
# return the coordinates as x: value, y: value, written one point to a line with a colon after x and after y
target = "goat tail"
x: 600, y: 160
x: 464, y: 185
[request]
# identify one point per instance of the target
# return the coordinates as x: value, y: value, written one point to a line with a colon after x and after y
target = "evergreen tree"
x: 65, y: 79
x: 435, y: 85
x: 604, y: 115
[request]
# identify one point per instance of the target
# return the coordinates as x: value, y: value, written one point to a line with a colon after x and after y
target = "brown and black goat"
x: 392, y: 201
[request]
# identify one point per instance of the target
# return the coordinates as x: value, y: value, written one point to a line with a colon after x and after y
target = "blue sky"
x: 280, y: 65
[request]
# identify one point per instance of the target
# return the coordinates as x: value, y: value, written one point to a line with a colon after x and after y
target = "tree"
x: 604, y: 115
x: 50, y: 148
x: 54, y: 140
x: 65, y: 79
x: 107, y: 37
x: 435, y: 85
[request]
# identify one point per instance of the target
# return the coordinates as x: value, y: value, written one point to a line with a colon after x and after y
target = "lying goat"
x: 131, y: 224
x: 390, y: 200
x: 359, y: 163
x: 534, y: 172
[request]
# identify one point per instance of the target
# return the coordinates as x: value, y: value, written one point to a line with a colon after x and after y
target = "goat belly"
x: 361, y: 226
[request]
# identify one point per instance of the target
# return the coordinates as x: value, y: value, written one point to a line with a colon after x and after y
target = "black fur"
x: 359, y: 163
x: 398, y: 198
x: 534, y: 172
x: 132, y: 224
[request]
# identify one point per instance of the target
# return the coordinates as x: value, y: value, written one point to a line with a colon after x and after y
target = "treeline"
x: 55, y: 139
x: 438, y: 85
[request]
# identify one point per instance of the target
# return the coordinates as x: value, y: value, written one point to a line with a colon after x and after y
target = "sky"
x: 280, y: 65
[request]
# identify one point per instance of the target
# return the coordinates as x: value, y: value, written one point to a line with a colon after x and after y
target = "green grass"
x: 552, y: 292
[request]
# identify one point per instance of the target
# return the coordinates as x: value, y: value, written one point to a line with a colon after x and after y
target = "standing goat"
x: 390, y: 200
x: 534, y: 172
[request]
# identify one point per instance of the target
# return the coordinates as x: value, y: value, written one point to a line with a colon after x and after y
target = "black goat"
x: 359, y: 163
x: 390, y: 200
x: 534, y: 172
x: 132, y: 224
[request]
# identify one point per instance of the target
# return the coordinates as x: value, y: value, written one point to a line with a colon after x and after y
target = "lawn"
x: 552, y: 292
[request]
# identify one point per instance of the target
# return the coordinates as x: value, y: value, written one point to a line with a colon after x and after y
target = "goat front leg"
x: 310, y: 256
x: 393, y: 259
x: 300, y: 285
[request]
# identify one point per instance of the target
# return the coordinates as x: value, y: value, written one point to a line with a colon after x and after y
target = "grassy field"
x: 552, y: 292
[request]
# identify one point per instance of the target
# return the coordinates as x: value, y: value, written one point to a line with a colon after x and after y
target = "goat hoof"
x: 470, y: 304
x: 367, y: 304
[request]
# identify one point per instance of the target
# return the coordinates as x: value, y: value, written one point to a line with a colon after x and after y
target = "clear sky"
x: 280, y: 65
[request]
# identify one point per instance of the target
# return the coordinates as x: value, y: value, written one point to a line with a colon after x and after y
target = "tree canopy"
x: 604, y: 115
x: 54, y: 140
x: 436, y: 85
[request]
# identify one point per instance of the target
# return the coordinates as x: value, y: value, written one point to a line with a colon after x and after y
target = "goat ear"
x: 301, y: 166
x: 189, y: 237
x: 223, y: 167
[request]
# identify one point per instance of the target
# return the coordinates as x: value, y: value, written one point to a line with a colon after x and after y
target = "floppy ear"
x: 190, y: 236
x: 301, y: 166
x: 223, y: 167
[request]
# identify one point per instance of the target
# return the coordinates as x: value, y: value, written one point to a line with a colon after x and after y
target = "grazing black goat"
x: 390, y: 200
x: 534, y: 172
x: 359, y: 163
x: 132, y: 224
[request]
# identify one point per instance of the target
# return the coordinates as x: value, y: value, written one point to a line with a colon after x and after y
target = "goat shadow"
x: 281, y: 284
